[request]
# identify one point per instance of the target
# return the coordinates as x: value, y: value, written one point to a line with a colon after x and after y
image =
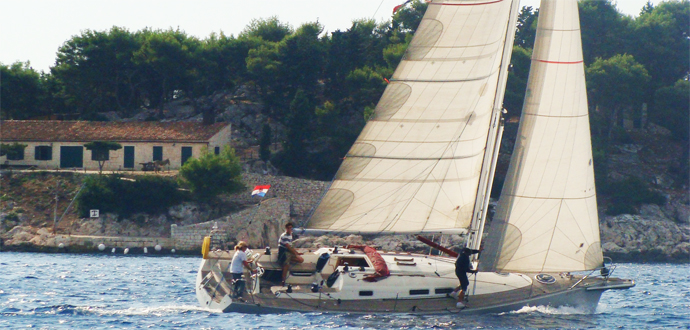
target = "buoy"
x: 172, y: 251
x: 101, y: 247
x: 61, y: 245
x: 146, y: 250
x: 112, y: 251
x: 126, y: 250
x: 158, y: 247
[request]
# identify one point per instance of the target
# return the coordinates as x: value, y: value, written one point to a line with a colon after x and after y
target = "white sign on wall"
x: 94, y: 213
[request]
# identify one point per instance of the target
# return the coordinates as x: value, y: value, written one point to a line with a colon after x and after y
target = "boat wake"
x: 563, y: 310
x: 144, y: 311
x: 104, y: 311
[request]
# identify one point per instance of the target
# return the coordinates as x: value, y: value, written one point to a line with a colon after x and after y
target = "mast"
x: 493, y: 142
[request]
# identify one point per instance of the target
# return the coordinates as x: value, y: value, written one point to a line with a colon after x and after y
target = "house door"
x: 129, y: 157
x: 186, y: 154
x: 71, y: 157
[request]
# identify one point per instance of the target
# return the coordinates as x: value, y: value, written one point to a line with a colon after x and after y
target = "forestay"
x: 547, y: 214
x: 415, y: 167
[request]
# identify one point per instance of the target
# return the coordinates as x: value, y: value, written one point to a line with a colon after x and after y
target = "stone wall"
x: 28, y: 238
x: 260, y: 226
x: 302, y: 194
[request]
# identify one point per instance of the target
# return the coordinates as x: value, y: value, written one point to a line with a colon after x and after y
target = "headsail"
x: 415, y: 167
x: 547, y: 214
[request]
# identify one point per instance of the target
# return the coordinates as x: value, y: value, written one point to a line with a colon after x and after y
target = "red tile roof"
x: 84, y: 131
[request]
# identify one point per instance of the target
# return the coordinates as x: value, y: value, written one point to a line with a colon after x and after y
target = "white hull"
x: 418, y: 284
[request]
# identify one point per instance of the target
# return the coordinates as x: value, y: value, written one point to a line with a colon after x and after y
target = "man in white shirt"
x: 239, y: 260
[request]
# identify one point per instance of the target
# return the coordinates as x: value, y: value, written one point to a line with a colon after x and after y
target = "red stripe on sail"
x: 466, y: 4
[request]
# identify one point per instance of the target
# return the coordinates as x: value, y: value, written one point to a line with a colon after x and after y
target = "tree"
x: 167, y: 58
x: 526, y: 27
x: 210, y: 174
x: 270, y: 29
x: 293, y: 160
x: 516, y: 85
x: 96, y: 72
x: 23, y: 91
x: 672, y: 109
x: 100, y: 151
x: 14, y: 151
x: 605, y: 31
x: 265, y: 143
x: 661, y: 35
x: 615, y: 85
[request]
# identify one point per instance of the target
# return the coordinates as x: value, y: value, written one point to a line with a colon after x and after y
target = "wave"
x: 139, y: 311
x: 562, y: 310
x: 103, y: 311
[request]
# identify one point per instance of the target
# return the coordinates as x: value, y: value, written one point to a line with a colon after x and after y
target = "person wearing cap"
x: 462, y: 267
x: 239, y: 260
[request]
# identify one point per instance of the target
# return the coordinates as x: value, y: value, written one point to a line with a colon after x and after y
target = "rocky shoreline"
x: 657, y: 234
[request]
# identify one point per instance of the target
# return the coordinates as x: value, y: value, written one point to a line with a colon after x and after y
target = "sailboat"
x: 424, y: 164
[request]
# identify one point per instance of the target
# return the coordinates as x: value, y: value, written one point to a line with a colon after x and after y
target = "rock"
x: 612, y: 247
x: 187, y: 213
x: 44, y: 232
x: 678, y: 211
x: 651, y: 235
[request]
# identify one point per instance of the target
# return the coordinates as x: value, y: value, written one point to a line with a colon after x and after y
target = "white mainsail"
x: 416, y: 165
x: 546, y: 218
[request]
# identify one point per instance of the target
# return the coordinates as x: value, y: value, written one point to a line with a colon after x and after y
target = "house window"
x: 43, y: 153
x: 101, y: 155
x: 216, y: 150
x: 157, y: 153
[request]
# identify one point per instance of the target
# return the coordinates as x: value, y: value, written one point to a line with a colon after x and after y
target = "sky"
x: 33, y: 30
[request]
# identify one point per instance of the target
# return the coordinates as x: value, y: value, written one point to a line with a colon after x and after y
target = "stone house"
x: 53, y: 144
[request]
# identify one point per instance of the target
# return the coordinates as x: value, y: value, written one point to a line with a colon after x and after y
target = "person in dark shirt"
x: 462, y: 267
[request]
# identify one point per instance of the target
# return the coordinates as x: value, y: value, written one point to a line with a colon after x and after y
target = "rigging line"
x: 373, y: 17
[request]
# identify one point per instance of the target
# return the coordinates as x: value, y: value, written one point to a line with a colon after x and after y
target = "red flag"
x: 400, y: 6
x: 387, y: 81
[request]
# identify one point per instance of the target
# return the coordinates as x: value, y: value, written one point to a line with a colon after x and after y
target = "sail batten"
x: 546, y: 218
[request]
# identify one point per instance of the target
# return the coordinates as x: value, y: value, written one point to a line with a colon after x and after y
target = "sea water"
x: 63, y: 291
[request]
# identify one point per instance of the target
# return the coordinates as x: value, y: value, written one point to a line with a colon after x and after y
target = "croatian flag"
x: 260, y: 190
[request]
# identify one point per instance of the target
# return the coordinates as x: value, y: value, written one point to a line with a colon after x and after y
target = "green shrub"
x: 113, y: 194
x: 628, y: 195
x: 210, y: 174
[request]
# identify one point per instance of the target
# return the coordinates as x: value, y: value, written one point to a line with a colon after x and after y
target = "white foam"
x: 562, y: 310
x: 156, y: 311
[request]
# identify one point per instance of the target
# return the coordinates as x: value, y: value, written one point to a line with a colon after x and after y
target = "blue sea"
x: 67, y: 291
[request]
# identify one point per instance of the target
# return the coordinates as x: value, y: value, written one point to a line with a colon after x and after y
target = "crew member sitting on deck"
x: 286, y: 253
x: 238, y: 261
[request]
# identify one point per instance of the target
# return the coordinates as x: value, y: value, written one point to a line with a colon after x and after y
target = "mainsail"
x: 546, y: 218
x: 416, y: 165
